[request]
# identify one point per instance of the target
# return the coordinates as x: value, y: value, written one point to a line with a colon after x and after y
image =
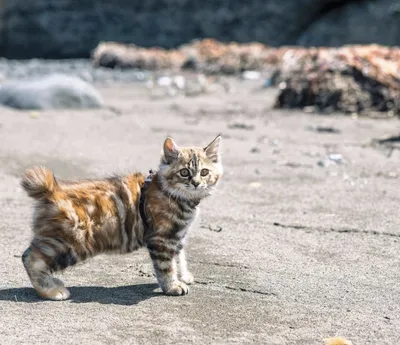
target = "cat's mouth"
x: 193, y: 192
x: 186, y: 190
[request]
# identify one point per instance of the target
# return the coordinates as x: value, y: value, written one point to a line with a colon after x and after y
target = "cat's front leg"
x: 164, y: 262
x: 183, y: 272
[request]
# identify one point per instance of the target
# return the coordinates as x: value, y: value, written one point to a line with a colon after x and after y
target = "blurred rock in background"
x: 351, y: 79
x: 208, y: 56
x: 72, y: 29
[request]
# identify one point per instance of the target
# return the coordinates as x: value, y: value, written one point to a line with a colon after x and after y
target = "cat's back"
x: 88, y: 205
x: 98, y: 200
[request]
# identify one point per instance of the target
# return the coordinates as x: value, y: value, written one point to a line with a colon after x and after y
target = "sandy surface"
x: 305, y: 251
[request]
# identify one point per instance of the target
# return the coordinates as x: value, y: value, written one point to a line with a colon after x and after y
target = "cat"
x: 74, y: 221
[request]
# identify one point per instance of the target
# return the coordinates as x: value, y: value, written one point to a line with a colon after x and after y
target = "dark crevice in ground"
x: 338, y: 230
x: 235, y: 288
x: 393, y: 139
x: 228, y: 287
x: 219, y: 264
x: 387, y: 145
x: 249, y: 290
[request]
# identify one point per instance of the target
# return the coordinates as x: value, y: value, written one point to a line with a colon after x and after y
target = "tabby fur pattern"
x: 74, y: 221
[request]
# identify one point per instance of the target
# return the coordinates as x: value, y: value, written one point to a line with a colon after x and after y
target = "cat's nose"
x: 194, y: 183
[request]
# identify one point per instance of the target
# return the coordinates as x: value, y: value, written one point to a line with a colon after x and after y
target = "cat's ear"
x: 212, y: 149
x: 171, y: 150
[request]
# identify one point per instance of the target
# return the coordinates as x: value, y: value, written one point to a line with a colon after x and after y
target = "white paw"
x: 187, y: 278
x: 58, y: 293
x: 61, y: 294
x: 177, y: 288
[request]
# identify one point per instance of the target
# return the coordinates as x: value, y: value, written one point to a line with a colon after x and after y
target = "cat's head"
x: 189, y: 172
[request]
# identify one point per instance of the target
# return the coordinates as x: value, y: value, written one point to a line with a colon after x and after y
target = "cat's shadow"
x: 120, y: 295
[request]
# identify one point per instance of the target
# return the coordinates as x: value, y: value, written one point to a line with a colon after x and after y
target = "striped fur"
x: 74, y: 221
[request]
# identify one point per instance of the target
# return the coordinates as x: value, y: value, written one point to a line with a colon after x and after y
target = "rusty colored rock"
x: 350, y: 79
x: 206, y: 55
x: 112, y: 54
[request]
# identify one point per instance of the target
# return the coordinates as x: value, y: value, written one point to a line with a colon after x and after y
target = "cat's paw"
x: 187, y: 278
x: 59, y: 293
x: 177, y: 288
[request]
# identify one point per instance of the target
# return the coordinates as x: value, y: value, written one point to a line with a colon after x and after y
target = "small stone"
x: 34, y: 114
x: 336, y: 157
x: 254, y: 184
x: 179, y: 81
x: 324, y: 129
x: 241, y: 125
x: 214, y: 228
x: 309, y: 109
x: 164, y: 81
x: 276, y: 151
x: 251, y: 75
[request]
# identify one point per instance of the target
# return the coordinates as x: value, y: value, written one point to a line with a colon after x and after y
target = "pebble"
x: 251, y: 75
x: 255, y: 184
x: 241, y: 125
x: 336, y: 157
x: 34, y: 114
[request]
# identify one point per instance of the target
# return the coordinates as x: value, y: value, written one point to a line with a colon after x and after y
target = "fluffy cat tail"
x: 38, y: 182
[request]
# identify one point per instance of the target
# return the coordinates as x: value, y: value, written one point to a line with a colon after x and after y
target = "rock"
x: 356, y: 22
x: 69, y: 29
x: 54, y: 91
x: 208, y: 55
x: 118, y: 55
x: 251, y: 75
x: 351, y: 79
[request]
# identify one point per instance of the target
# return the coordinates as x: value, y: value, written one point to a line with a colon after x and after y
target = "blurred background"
x: 72, y: 29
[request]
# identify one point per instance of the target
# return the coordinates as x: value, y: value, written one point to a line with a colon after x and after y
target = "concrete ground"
x: 293, y: 248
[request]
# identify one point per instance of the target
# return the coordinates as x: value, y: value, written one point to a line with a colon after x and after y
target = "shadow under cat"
x: 119, y: 295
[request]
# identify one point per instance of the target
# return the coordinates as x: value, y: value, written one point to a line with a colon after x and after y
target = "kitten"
x: 77, y: 220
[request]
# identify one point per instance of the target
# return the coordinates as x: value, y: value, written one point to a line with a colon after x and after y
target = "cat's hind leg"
x: 40, y: 260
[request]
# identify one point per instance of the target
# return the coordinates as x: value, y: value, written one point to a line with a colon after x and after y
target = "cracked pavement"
x: 286, y: 252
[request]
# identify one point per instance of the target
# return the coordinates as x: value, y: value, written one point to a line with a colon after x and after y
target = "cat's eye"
x: 184, y: 172
x: 204, y: 172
